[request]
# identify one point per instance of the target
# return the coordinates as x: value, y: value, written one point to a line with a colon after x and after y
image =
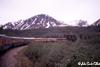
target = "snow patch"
x: 48, y: 25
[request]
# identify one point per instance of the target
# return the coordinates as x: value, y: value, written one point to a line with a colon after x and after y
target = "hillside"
x: 59, y: 54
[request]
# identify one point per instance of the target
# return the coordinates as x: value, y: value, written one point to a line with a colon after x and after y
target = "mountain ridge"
x: 43, y: 21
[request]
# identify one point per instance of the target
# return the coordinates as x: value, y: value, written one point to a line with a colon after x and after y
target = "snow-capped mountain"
x: 38, y: 21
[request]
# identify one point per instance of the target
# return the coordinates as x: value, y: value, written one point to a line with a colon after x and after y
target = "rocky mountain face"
x: 35, y: 22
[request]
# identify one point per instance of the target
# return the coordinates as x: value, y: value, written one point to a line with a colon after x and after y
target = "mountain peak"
x: 35, y: 22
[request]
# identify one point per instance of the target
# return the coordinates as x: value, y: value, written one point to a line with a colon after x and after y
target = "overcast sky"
x: 63, y: 10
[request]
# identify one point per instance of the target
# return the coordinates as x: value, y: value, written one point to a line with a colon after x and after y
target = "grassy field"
x: 59, y: 54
